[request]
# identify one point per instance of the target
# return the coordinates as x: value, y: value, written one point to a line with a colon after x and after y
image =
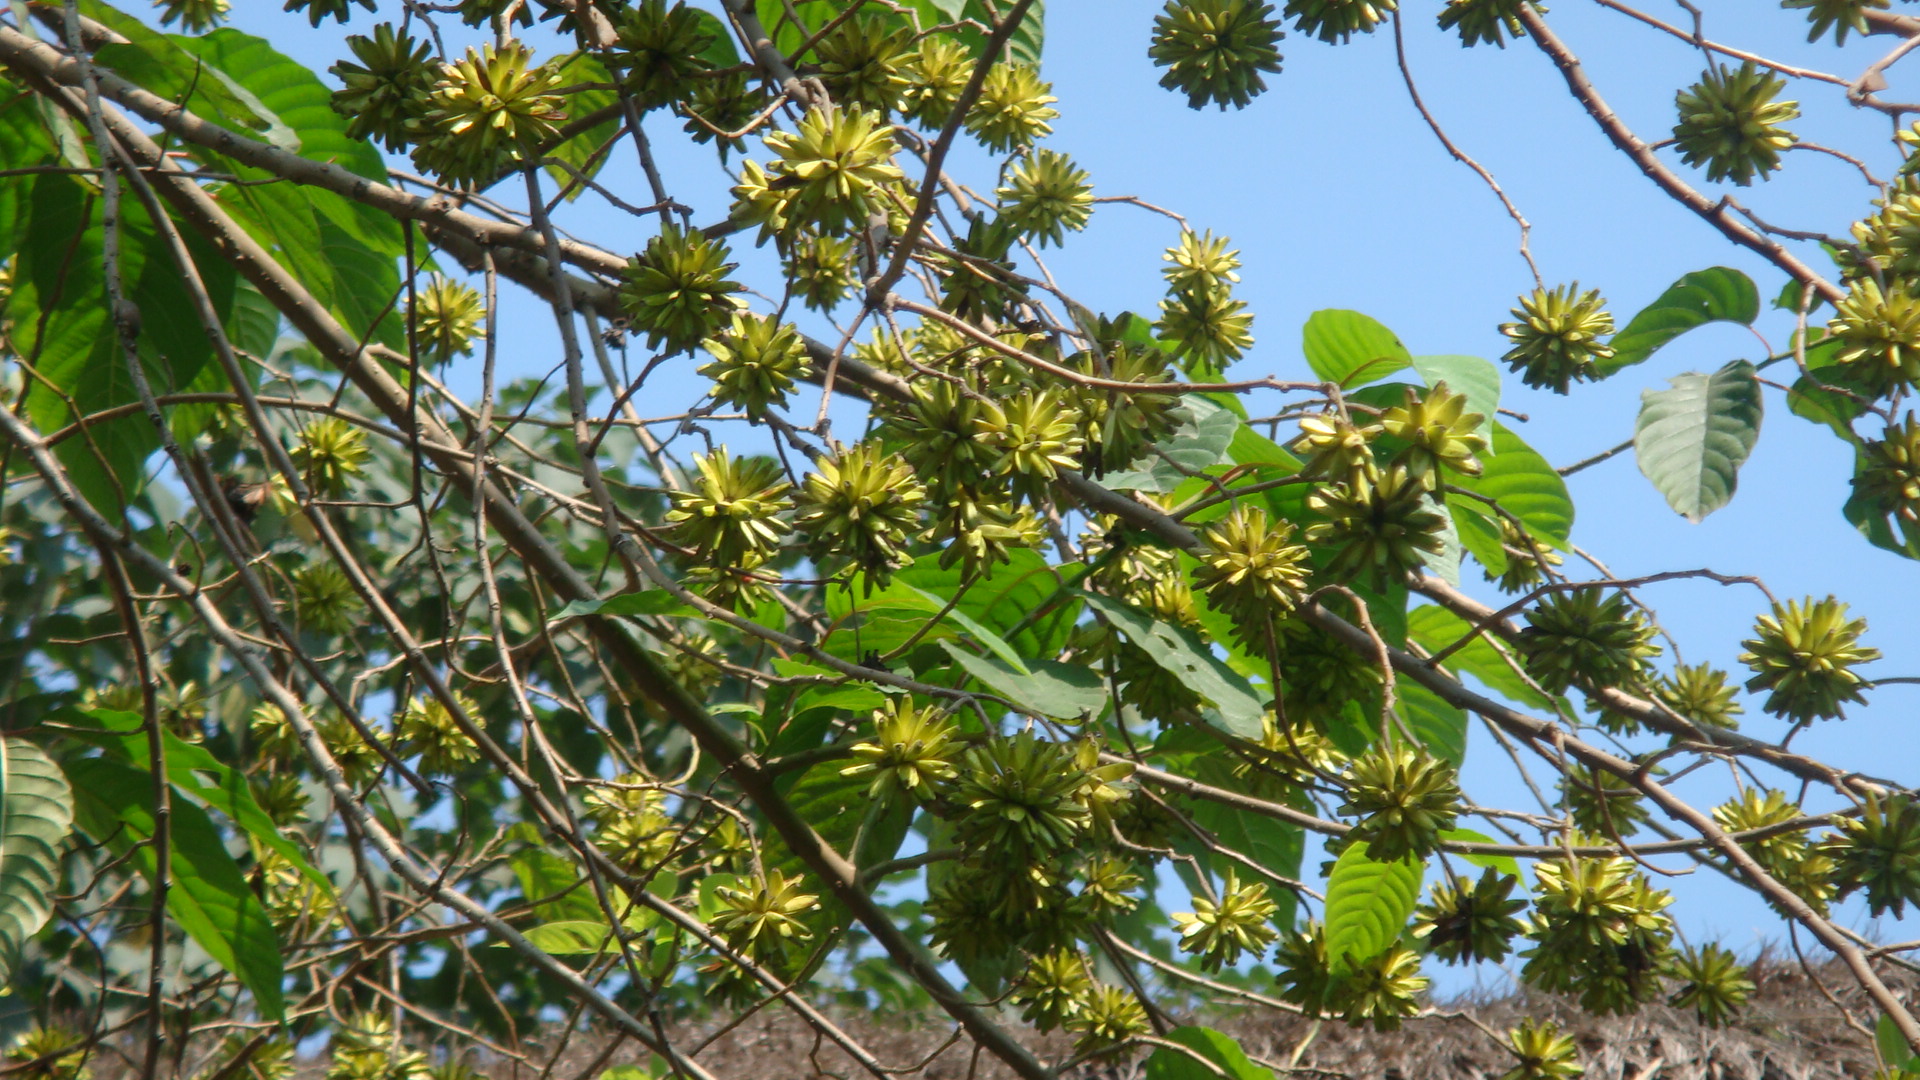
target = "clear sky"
x: 1338, y: 196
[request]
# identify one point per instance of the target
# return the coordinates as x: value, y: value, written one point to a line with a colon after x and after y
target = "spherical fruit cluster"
x: 1031, y: 438
x: 1251, y: 570
x: 659, y: 56
x: 1215, y: 50
x: 1730, y: 123
x: 754, y: 363
x: 1053, y: 990
x: 1599, y: 932
x: 1405, y: 798
x: 766, y: 915
x: 486, y: 113
x: 324, y: 599
x: 428, y: 728
x: 1200, y: 316
x: 446, y: 314
x: 912, y: 748
x: 366, y: 1047
x: 1321, y: 674
x: 1438, y: 431
x: 938, y: 434
x: 1879, y: 334
x: 1022, y: 797
x: 1383, y: 990
x: 338, y: 10
x: 862, y: 507
x: 1485, y: 22
x: 721, y: 106
x: 1804, y: 653
x: 1463, y: 923
x: 827, y: 176
x: 861, y: 62
x: 733, y: 515
x: 1334, y: 448
x: 1339, y: 20
x: 1786, y: 856
x: 632, y: 826
x: 1220, y: 932
x: 1014, y: 109
x: 1382, y: 526
x: 1543, y: 1053
x: 820, y: 269
x: 1889, y: 475
x: 1880, y: 852
x: 330, y: 453
x: 935, y: 74
x: 981, y: 529
x: 1838, y: 15
x: 1713, y: 983
x: 1116, y: 425
x: 1556, y: 339
x: 1587, y: 637
x: 976, y: 281
x: 678, y: 291
x: 194, y: 16
x: 1046, y: 193
x: 1889, y: 240
x: 1111, y: 1016
x: 1700, y: 693
x: 1602, y: 803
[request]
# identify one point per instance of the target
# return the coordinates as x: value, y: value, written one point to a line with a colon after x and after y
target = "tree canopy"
x: 365, y: 695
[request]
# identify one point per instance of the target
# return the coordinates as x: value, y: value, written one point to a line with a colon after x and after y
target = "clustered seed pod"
x: 1044, y: 194
x: 1587, y: 637
x: 330, y: 454
x: 387, y: 90
x: 1252, y: 571
x: 733, y: 516
x: 486, y: 113
x: 1838, y: 15
x: 428, y: 728
x: 367, y: 1047
x: 632, y: 827
x: 1438, y: 431
x: 1383, y: 526
x: 1879, y: 851
x: 1889, y: 240
x: 1200, y: 316
x: 1338, y: 20
x: 678, y: 291
x: 1382, y: 989
x: 1220, y: 932
x: 1321, y: 674
x: 1462, y: 923
x: 1543, y: 1053
x: 194, y: 16
x: 1111, y: 1016
x: 1486, y: 22
x: 1804, y: 653
x: 1053, y: 990
x: 1527, y: 558
x: 826, y: 178
x: 1335, y: 448
x: 911, y: 749
x: 1889, y: 475
x: 861, y: 61
x: 1014, y: 109
x: 1879, y: 335
x: 1787, y: 856
x: 1700, y: 693
x: 658, y: 59
x: 767, y: 915
x: 935, y: 73
x: 1215, y: 50
x: 1405, y: 798
x: 446, y: 314
x: 1116, y: 426
x: 1713, y: 984
x: 338, y: 10
x: 861, y: 507
x: 1556, y: 339
x: 324, y: 600
x: 1599, y: 932
x: 1730, y: 123
x: 820, y: 269
x: 754, y: 363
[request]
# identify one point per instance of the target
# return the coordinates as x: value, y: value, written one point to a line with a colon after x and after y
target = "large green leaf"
x: 158, y: 63
x: 1050, y: 688
x: 1181, y: 654
x: 1473, y: 376
x: 1351, y: 349
x: 36, y: 813
x: 1025, y: 600
x: 1716, y: 294
x: 1199, y: 442
x: 188, y: 766
x: 1225, y: 1054
x: 1692, y: 439
x: 1368, y: 904
x: 24, y: 143
x: 1441, y: 726
x: 207, y: 894
x: 1524, y: 485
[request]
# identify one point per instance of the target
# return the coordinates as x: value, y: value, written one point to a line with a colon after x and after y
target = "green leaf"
x: 1221, y: 1050
x: 1368, y: 904
x: 1201, y: 441
x: 1506, y: 864
x: 1891, y: 1045
x: 1351, y: 349
x: 207, y: 894
x: 1473, y: 376
x: 36, y: 814
x: 1692, y: 439
x: 1479, y: 533
x: 1435, y: 628
x: 644, y: 602
x: 1716, y: 294
x: 1440, y: 726
x: 571, y: 937
x: 1021, y: 599
x: 544, y: 875
x: 1051, y: 688
x: 1181, y: 654
x: 1524, y: 485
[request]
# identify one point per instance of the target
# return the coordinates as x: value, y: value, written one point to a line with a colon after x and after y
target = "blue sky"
x: 1338, y: 196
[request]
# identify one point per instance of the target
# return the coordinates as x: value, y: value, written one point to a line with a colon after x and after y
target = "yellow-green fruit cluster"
x: 446, y: 315
x: 1599, y: 933
x: 1014, y: 109
x: 1338, y: 20
x: 861, y: 62
x: 1556, y: 337
x: 1879, y: 334
x: 1485, y: 22
x: 1382, y: 526
x: 826, y: 177
x: 734, y: 514
x: 1804, y: 654
x: 912, y: 749
x: 755, y: 363
x: 659, y: 58
x: 194, y: 16
x: 1221, y: 931
x: 1840, y: 16
x: 1405, y: 799
x: 678, y: 291
x: 486, y: 113
x: 1587, y: 637
x: 1251, y: 570
x: 1044, y: 194
x: 1462, y: 923
x: 1879, y: 851
x: 862, y: 507
x: 1215, y: 50
x: 1713, y: 983
x: 1730, y: 123
x: 1889, y: 475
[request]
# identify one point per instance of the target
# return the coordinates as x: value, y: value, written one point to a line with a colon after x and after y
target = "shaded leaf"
x: 1051, y: 688
x: 1201, y: 441
x: 1180, y: 653
x: 36, y: 814
x: 1439, y: 725
x: 1692, y: 439
x: 1226, y: 1055
x: 1716, y: 294
x: 1506, y: 864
